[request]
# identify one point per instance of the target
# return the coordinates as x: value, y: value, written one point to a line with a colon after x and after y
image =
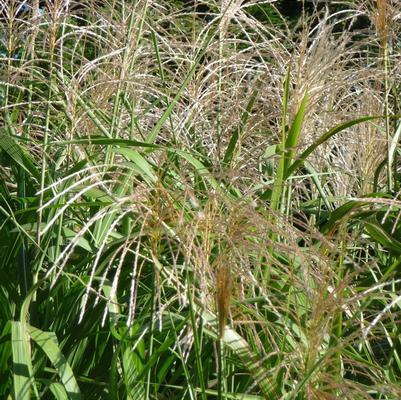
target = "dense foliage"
x: 200, y: 199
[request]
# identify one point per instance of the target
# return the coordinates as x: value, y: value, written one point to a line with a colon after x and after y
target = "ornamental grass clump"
x: 199, y: 200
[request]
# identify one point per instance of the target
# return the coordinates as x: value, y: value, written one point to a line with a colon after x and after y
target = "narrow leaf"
x: 240, y: 128
x: 10, y: 146
x: 47, y: 341
x: 294, y: 133
x: 22, y: 367
x: 326, y: 136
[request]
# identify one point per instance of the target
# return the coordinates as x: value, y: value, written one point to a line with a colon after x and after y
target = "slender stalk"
x: 197, y: 343
x: 383, y: 29
x: 386, y: 62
